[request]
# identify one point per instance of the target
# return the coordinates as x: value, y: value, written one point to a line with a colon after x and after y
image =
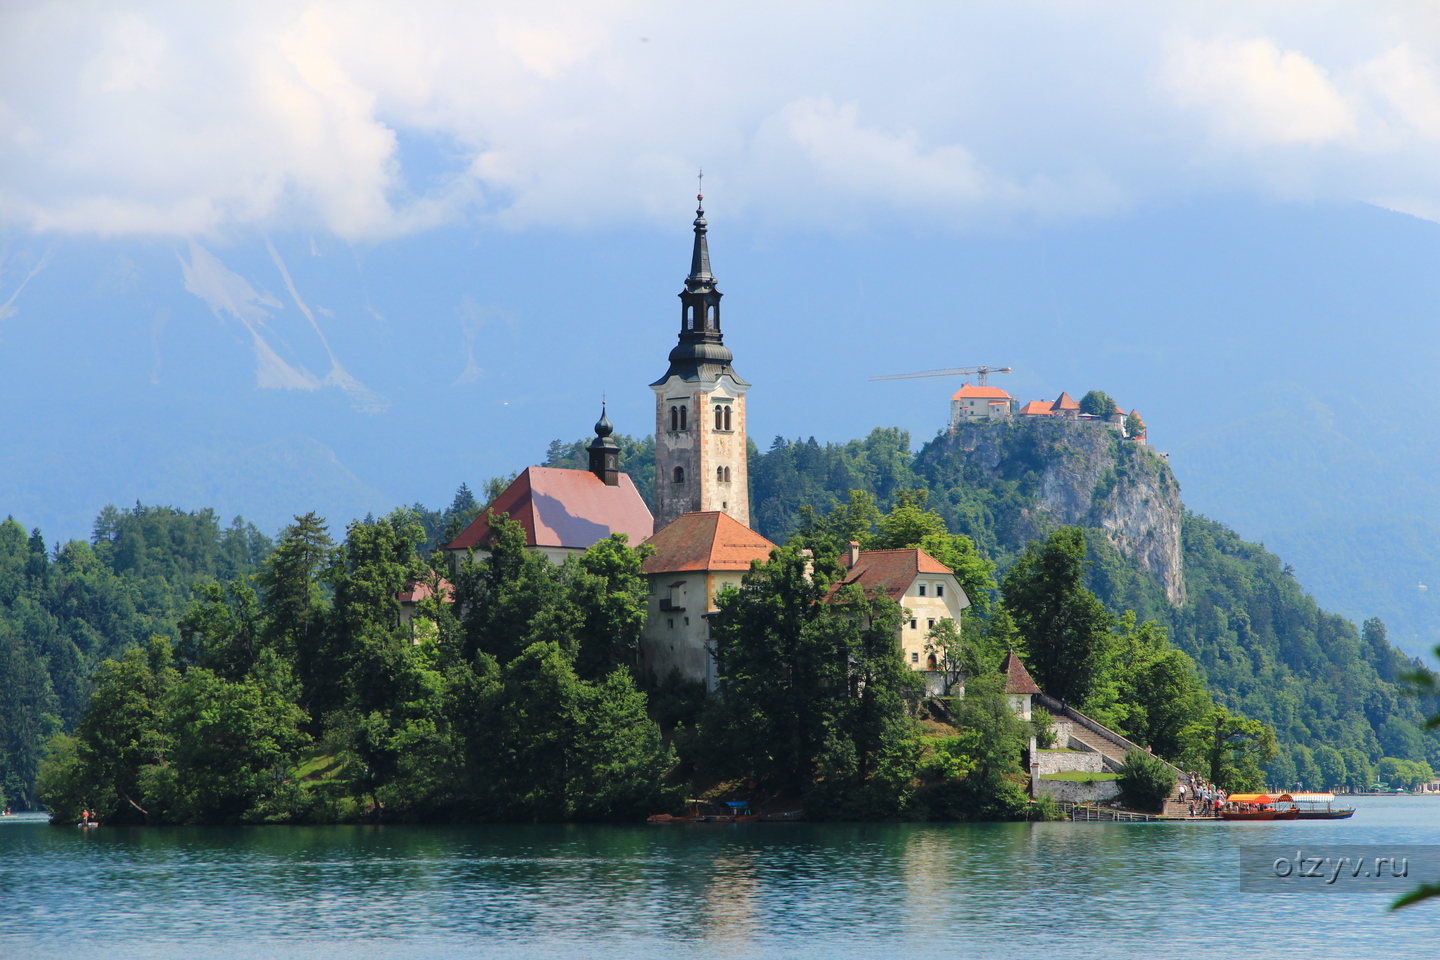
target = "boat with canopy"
x: 1320, y: 806
x: 1258, y: 806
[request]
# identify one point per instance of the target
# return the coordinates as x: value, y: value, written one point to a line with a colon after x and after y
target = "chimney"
x: 854, y: 554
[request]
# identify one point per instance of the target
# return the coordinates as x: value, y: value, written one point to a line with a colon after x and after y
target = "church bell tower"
x: 700, y: 461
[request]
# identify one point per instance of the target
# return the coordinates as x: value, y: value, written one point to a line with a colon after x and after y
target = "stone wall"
x: 1057, y: 761
x: 1073, y: 792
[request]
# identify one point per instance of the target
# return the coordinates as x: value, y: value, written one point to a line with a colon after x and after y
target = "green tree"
x: 991, y: 738
x: 1145, y: 780
x: 1097, y: 403
x: 611, y: 595
x: 810, y: 687
x: 1333, y: 774
x: 293, y: 599
x: 1229, y: 749
x: 231, y: 746
x: 1065, y: 627
x: 955, y: 660
x: 1134, y: 426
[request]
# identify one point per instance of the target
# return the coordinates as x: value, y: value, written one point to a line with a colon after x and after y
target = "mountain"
x: 1282, y: 355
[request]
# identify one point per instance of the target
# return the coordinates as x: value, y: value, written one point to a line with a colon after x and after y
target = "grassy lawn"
x: 1079, y: 776
x: 318, y: 768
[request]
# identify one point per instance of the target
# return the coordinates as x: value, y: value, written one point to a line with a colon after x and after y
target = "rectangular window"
x: 922, y: 589
x: 912, y: 624
x: 914, y: 658
x: 930, y: 623
x: 939, y: 589
x: 687, y: 621
x: 671, y: 622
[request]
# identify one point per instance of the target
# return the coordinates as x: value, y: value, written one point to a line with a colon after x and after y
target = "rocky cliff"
x: 1074, y: 472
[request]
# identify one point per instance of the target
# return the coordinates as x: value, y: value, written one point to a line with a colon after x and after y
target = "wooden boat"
x: 1320, y: 806
x: 1258, y: 806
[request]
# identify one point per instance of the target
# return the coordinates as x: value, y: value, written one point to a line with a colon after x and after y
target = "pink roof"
x: 565, y: 508
x: 415, y: 592
x: 1036, y: 408
x: 1066, y: 402
x: 980, y: 393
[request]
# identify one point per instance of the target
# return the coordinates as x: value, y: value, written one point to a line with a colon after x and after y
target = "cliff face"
x: 1078, y: 472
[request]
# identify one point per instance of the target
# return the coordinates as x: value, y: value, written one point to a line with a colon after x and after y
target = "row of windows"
x: 722, y: 474
x: 929, y: 623
x: 939, y: 589
x: 929, y: 662
x: 680, y: 417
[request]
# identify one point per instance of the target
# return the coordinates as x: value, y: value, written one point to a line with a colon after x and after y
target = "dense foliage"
x: 306, y: 693
x: 65, y: 610
x: 182, y: 672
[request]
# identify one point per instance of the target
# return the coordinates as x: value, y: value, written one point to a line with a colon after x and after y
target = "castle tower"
x: 700, y: 461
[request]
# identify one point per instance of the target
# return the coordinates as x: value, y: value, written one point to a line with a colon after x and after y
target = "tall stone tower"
x: 700, y: 461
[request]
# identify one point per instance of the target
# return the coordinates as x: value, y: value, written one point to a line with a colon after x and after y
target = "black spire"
x: 701, y: 351
x: 604, y: 452
x: 700, y: 259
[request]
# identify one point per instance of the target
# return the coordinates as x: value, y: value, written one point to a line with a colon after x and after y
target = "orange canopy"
x: 1257, y: 798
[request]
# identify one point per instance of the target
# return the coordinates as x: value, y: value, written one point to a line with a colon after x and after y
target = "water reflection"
x: 843, y: 890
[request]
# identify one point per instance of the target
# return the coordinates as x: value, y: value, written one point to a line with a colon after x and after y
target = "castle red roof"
x: 1017, y: 678
x: 1065, y: 403
x: 891, y: 570
x: 564, y: 508
x: 706, y: 541
x: 968, y: 392
x: 1037, y: 408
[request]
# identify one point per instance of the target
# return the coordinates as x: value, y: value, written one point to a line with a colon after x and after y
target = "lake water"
x: 868, y: 891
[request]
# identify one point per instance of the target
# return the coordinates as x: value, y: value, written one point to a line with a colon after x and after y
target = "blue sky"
x: 275, y: 257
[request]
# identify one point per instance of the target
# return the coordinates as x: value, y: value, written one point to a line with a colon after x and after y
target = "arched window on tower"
x: 719, y: 418
x: 710, y: 317
x: 727, y: 416
x: 719, y: 474
x: 682, y: 418
x: 727, y: 474
x: 679, y: 474
x: 687, y: 318
x: 674, y: 418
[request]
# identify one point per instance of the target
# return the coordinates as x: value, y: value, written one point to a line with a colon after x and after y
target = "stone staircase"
x: 1089, y: 735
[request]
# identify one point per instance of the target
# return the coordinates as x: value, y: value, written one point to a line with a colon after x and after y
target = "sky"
x: 271, y: 257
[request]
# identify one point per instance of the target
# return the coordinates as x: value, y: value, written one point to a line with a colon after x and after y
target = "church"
x: 701, y: 524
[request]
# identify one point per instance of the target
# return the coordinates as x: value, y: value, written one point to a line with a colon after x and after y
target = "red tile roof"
x: 706, y: 541
x: 565, y: 508
x: 1065, y: 403
x: 1037, y: 408
x: 980, y: 393
x: 1017, y: 678
x: 415, y: 592
x: 891, y: 570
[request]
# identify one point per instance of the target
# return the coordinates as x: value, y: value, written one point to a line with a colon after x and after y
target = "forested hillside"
x: 1262, y: 644
x: 1334, y: 694
x: 63, y: 611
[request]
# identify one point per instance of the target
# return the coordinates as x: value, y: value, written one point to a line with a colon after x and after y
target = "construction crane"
x: 981, y: 372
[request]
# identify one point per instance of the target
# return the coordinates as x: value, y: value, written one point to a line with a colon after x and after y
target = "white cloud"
x: 364, y: 120
x: 1410, y: 83
x: 1257, y: 92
